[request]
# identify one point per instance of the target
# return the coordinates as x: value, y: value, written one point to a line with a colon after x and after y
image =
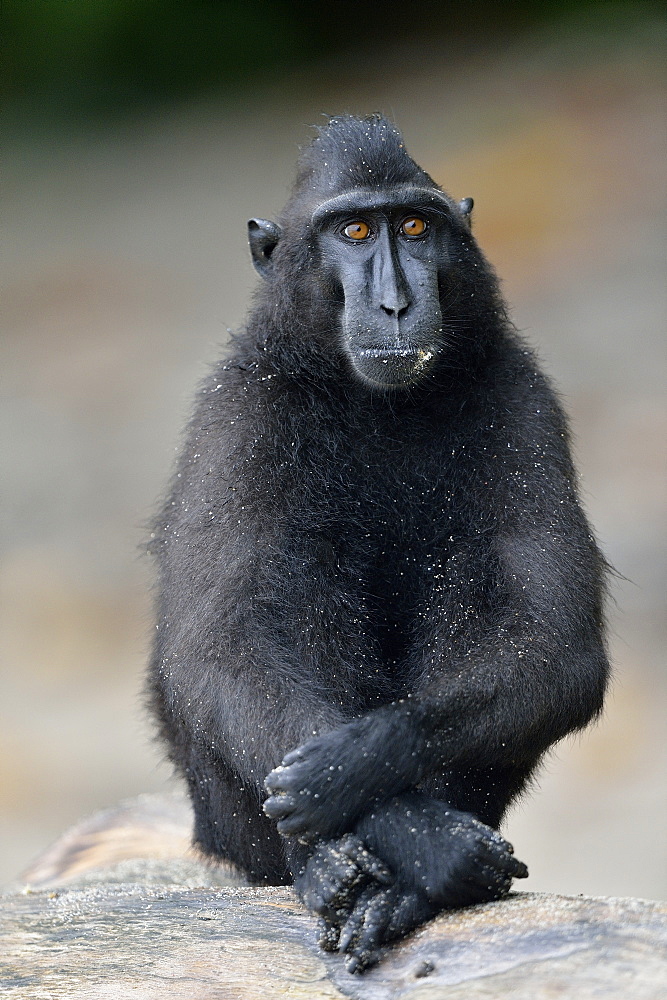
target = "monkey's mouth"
x: 393, y: 366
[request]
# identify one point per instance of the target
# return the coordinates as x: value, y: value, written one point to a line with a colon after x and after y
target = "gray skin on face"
x: 388, y: 271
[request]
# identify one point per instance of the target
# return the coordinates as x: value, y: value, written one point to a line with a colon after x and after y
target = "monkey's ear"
x: 263, y: 238
x: 465, y: 207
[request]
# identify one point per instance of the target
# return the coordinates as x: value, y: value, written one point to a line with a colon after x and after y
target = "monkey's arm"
x: 533, y: 669
x: 254, y: 651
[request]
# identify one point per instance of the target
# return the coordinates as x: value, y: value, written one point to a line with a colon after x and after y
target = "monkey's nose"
x: 397, y: 310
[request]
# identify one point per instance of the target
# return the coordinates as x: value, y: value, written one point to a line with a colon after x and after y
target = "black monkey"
x: 377, y: 586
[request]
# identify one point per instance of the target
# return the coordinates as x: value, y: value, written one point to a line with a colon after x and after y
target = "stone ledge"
x: 179, y: 929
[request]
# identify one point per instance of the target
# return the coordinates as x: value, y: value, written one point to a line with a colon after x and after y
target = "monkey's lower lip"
x: 408, y: 353
x: 393, y: 366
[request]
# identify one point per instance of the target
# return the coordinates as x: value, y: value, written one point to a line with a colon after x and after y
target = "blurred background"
x: 139, y: 136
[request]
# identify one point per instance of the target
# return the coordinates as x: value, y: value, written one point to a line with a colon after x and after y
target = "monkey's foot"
x: 382, y: 914
x: 441, y: 858
x: 379, y: 916
x: 335, y: 874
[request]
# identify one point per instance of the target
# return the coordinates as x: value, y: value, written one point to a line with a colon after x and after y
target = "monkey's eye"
x: 357, y: 231
x: 414, y: 226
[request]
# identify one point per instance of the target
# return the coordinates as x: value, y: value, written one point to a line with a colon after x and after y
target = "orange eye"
x: 414, y: 226
x: 357, y: 231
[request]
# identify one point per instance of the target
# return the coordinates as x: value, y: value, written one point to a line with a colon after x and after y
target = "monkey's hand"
x: 324, y: 786
x: 440, y: 858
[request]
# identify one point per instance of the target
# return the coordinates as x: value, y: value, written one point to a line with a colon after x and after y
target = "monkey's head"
x: 371, y: 235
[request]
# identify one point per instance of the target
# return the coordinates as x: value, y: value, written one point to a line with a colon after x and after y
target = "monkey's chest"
x: 413, y: 574
x: 395, y: 582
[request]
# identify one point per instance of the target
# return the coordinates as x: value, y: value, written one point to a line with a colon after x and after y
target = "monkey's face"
x: 381, y: 259
x: 384, y: 253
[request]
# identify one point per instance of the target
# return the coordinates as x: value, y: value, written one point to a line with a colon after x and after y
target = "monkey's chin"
x: 393, y: 368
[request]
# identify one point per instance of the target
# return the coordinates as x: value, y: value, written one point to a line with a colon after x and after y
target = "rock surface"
x: 139, y: 941
x: 120, y: 907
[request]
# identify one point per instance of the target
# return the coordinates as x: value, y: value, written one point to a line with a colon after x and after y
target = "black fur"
x: 392, y: 591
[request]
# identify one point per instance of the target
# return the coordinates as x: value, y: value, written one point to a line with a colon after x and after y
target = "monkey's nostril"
x: 396, y: 311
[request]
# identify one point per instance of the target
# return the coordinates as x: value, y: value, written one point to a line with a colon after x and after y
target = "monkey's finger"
x: 328, y: 935
x: 503, y: 859
x: 368, y: 863
x: 494, y: 836
x: 279, y: 806
x: 521, y: 870
x: 322, y: 900
x: 293, y: 824
x: 363, y: 931
x: 352, y: 926
x: 339, y: 896
x: 293, y: 756
x: 340, y: 867
x: 506, y: 865
x: 494, y: 874
x: 495, y: 844
x: 339, y: 891
x: 489, y: 835
x: 334, y: 887
x: 359, y: 961
x: 491, y: 839
x: 370, y: 926
x: 280, y: 778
